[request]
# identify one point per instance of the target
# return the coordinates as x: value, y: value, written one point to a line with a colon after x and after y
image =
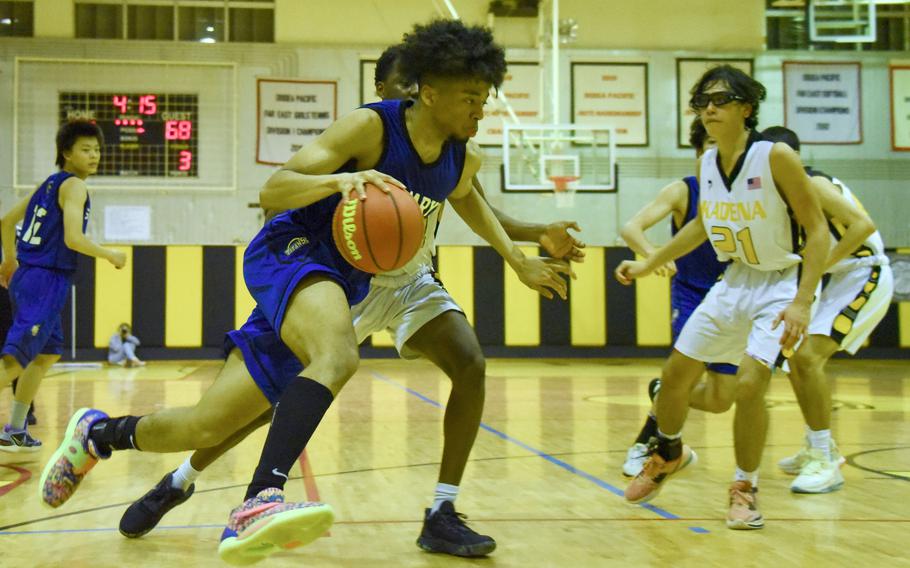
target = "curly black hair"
x: 450, y: 49
x: 781, y: 134
x: 739, y: 83
x: 70, y: 131
x: 386, y: 63
x: 697, y: 134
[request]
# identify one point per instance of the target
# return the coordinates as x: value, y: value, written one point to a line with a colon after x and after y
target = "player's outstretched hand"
x: 559, y: 243
x: 667, y: 270
x: 543, y: 275
x: 7, y: 269
x: 795, y: 318
x: 356, y: 181
x: 629, y: 270
x: 117, y: 258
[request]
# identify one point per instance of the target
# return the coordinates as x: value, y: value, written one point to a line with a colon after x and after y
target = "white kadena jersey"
x: 870, y: 253
x: 748, y: 222
x: 423, y: 261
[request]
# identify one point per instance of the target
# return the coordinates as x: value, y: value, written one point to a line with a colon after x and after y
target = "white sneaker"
x: 819, y: 475
x: 635, y: 460
x: 793, y: 465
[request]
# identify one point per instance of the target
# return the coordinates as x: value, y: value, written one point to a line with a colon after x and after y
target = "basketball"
x: 380, y: 233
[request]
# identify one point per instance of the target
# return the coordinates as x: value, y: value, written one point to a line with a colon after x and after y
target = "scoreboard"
x: 145, y: 134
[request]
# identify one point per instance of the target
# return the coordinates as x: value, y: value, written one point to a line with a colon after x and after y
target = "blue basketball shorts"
x: 38, y: 296
x: 683, y: 301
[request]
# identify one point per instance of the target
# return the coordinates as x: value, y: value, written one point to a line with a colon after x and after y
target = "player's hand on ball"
x: 7, y: 269
x: 795, y: 318
x: 558, y: 243
x: 629, y: 270
x: 117, y: 258
x: 543, y: 275
x: 356, y: 181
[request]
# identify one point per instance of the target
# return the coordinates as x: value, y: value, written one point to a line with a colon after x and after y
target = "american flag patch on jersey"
x: 753, y: 183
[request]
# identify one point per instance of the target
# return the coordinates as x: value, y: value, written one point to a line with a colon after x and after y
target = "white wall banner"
x: 130, y: 223
x: 290, y: 114
x: 900, y: 108
x: 615, y: 94
x: 822, y: 102
x: 688, y: 72
x: 522, y: 89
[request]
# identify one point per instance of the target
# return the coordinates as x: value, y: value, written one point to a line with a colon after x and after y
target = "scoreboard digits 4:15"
x: 145, y: 134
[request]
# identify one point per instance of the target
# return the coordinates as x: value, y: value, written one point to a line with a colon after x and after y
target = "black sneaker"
x: 653, y: 388
x: 445, y: 531
x: 31, y: 419
x: 145, y: 514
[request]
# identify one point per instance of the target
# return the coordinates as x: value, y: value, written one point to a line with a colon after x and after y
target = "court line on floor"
x: 549, y: 457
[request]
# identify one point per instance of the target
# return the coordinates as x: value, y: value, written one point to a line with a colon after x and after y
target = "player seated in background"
x: 39, y: 268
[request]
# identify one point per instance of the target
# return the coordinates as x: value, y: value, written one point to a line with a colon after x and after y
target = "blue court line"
x: 554, y: 460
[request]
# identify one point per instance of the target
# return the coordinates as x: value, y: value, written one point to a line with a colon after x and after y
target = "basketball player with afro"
x: 425, y: 321
x: 304, y: 293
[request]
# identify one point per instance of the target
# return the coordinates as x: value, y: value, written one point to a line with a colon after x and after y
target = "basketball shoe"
x: 818, y: 475
x: 794, y: 464
x: 655, y: 472
x: 743, y: 513
x: 18, y: 440
x: 446, y: 531
x: 72, y: 461
x: 636, y: 456
x: 265, y: 524
x: 145, y: 514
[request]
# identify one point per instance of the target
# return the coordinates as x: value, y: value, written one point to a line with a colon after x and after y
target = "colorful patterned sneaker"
x: 72, y: 461
x: 636, y: 456
x: 649, y: 481
x: 18, y: 440
x: 744, y: 514
x: 794, y: 464
x: 145, y: 514
x: 819, y: 475
x: 265, y: 524
x: 446, y: 531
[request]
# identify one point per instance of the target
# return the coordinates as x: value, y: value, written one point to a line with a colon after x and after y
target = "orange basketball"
x: 380, y: 233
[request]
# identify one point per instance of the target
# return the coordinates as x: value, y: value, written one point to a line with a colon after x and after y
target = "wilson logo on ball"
x: 349, y: 227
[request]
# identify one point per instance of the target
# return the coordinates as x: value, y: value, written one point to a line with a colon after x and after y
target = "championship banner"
x: 290, y: 114
x: 822, y: 102
x: 522, y: 89
x: 615, y: 94
x: 900, y: 108
x: 688, y: 72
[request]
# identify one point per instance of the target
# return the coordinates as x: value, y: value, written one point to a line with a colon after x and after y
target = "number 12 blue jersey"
x: 41, y: 242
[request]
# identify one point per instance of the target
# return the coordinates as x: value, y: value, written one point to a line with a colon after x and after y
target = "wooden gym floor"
x: 544, y: 479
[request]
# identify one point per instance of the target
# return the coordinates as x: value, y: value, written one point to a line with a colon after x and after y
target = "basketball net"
x: 564, y: 190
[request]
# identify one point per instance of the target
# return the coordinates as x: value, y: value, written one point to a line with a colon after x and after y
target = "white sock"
x: 750, y: 476
x: 444, y: 492
x: 19, y: 415
x: 676, y: 436
x: 821, y: 440
x: 184, y: 476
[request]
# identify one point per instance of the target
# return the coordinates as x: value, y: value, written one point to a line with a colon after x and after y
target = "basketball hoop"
x: 564, y: 189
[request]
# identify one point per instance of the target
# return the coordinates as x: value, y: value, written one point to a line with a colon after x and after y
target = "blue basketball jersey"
x: 41, y: 242
x: 430, y: 184
x: 700, y: 268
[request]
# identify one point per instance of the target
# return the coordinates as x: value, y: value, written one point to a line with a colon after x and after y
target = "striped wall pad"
x: 187, y: 297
